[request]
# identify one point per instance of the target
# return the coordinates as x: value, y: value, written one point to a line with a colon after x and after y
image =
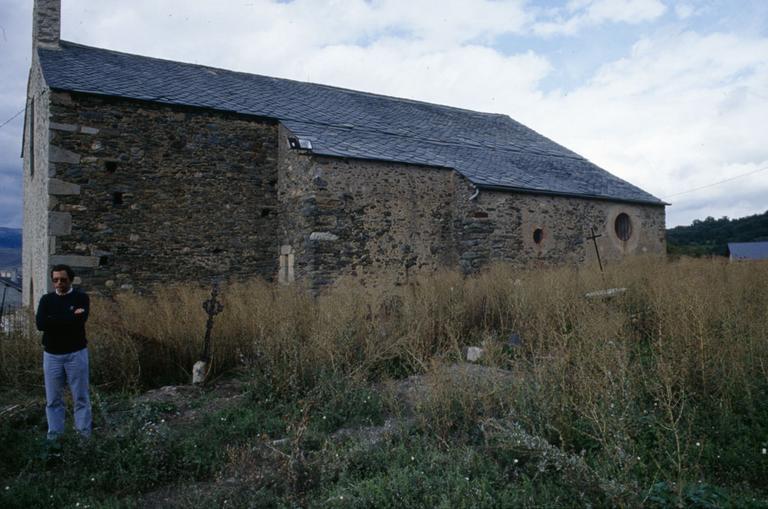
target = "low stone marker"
x: 605, y: 294
x: 474, y: 353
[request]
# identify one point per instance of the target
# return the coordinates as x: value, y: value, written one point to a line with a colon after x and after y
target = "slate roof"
x: 748, y: 250
x: 490, y: 150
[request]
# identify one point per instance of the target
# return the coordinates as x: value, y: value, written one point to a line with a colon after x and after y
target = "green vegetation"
x: 711, y: 236
x: 357, y: 398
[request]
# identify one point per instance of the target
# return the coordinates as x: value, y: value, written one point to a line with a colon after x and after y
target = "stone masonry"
x: 46, y: 26
x: 498, y: 226
x: 384, y: 222
x: 36, y: 240
x: 141, y: 194
x: 371, y: 220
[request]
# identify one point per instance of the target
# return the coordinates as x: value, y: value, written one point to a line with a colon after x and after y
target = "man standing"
x: 61, y: 315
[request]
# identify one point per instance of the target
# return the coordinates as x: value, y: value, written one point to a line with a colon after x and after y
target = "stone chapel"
x: 139, y: 171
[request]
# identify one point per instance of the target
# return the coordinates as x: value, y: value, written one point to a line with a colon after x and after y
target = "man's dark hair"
x: 65, y: 268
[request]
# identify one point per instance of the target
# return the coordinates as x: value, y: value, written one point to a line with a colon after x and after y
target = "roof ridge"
x: 323, y: 85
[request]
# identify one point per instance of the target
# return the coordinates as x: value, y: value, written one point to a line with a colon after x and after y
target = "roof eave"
x: 491, y: 187
x: 145, y: 100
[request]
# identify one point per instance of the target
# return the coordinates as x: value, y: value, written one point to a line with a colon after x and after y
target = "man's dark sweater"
x: 63, y: 330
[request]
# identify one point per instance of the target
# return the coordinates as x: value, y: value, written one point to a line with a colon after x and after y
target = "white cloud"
x: 473, y: 77
x: 231, y: 34
x: 581, y: 14
x: 435, y: 50
x: 684, y: 11
x: 682, y: 111
x: 627, y: 11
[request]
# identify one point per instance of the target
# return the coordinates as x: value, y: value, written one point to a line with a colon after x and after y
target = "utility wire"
x: 16, y: 115
x: 718, y: 183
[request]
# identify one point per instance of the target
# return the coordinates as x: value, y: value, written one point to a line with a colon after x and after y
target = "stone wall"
x: 46, y: 23
x: 145, y: 193
x: 375, y: 221
x: 297, y: 211
x: 502, y: 226
x: 384, y: 222
x: 36, y: 244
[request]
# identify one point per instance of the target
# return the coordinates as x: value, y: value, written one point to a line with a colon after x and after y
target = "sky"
x: 671, y: 96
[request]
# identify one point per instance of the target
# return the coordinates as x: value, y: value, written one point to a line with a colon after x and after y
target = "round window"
x: 623, y: 226
x: 538, y: 235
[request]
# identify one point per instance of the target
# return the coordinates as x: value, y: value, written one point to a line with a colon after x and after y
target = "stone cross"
x: 212, y: 307
x: 594, y: 238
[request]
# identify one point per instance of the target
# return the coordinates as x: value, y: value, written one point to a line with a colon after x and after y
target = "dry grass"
x: 701, y: 323
x: 685, y: 333
x: 635, y: 379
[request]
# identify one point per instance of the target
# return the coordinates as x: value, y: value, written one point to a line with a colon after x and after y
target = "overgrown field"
x: 655, y: 397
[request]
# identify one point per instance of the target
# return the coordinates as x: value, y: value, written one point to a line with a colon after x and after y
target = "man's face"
x: 61, y: 281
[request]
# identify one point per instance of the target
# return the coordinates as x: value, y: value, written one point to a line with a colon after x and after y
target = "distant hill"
x: 10, y: 248
x: 10, y: 258
x: 10, y: 238
x: 711, y: 236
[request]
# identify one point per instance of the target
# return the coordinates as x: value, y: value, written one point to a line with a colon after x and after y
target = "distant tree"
x: 711, y: 236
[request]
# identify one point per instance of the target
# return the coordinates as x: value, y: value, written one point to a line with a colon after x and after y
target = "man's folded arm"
x: 85, y: 305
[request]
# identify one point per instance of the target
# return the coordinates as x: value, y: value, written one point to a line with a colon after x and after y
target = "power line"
x: 718, y: 183
x: 16, y: 115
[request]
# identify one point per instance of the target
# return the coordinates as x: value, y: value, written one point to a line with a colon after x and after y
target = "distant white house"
x: 11, y: 274
x: 10, y: 302
x: 748, y: 250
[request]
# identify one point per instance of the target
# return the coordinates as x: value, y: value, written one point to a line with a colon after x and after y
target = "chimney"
x: 46, y: 24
